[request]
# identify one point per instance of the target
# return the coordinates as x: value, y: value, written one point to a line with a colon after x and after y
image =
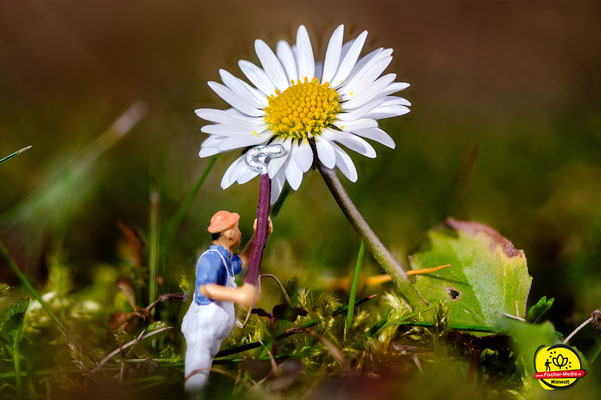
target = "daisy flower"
x: 294, y: 99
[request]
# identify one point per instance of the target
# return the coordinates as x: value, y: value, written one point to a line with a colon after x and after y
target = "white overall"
x: 205, y: 327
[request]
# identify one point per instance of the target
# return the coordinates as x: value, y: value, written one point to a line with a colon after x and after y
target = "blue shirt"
x: 210, y: 269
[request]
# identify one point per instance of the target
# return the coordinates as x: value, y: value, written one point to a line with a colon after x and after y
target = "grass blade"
x: 16, y: 153
x: 181, y: 212
x: 153, y: 239
x: 354, y: 285
x: 55, y: 195
x: 178, y: 217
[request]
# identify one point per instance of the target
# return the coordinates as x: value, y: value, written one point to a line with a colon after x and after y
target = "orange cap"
x: 222, y: 221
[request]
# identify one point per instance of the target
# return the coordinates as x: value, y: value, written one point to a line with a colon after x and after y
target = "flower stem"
x: 256, y: 255
x: 374, y: 245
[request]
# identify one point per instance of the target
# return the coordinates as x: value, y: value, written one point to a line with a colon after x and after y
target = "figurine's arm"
x: 245, y: 254
x: 244, y: 295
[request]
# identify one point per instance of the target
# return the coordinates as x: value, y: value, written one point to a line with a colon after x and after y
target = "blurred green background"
x: 505, y: 129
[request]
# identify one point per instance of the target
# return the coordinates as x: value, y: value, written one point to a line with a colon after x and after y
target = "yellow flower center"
x: 303, y: 109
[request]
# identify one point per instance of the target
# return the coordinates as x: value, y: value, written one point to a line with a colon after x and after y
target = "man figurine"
x: 211, y: 315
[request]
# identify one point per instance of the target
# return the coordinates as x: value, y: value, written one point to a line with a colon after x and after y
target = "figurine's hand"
x: 269, y: 227
x: 247, y: 295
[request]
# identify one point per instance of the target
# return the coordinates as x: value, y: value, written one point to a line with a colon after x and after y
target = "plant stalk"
x: 17, y: 360
x: 256, y: 255
x: 154, y: 247
x: 373, y: 243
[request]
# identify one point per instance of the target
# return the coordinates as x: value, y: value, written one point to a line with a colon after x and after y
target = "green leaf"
x: 488, y: 276
x: 539, y: 309
x: 13, y: 318
x: 528, y: 338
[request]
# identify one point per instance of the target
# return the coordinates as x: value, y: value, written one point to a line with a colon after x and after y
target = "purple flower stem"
x: 256, y: 255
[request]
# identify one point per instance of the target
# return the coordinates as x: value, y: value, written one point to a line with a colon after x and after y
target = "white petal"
x: 207, y: 151
x: 233, y: 130
x: 325, y: 152
x: 330, y: 65
x: 364, y: 79
x: 318, y: 68
x: 351, y: 126
x: 234, y: 100
x: 232, y: 173
x: 345, y: 164
x: 393, y: 101
x: 294, y: 175
x: 372, y: 91
x: 239, y: 88
x: 276, y: 164
x: 345, y: 48
x: 304, y: 156
x: 287, y: 59
x: 257, y: 94
x: 227, y: 117
x: 378, y: 135
x: 366, y: 63
x: 368, y: 59
x: 351, y: 141
x: 305, y: 60
x: 394, y: 87
x: 213, y: 141
x: 387, y: 112
x: 360, y: 112
x: 349, y: 60
x: 271, y: 65
x: 277, y: 184
x: 246, y: 175
x: 235, y: 142
x: 257, y: 76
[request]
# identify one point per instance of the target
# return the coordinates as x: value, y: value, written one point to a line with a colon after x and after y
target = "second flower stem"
x: 372, y: 242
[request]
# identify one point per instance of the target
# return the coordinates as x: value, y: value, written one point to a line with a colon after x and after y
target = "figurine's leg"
x: 198, y: 363
x: 204, y: 329
x: 196, y: 330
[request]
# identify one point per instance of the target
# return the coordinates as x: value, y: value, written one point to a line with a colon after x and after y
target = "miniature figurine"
x: 211, y: 315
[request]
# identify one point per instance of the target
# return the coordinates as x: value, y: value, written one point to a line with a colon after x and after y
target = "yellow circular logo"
x: 557, y: 367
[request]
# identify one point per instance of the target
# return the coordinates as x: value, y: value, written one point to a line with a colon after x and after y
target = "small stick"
x: 121, y: 348
x: 513, y: 317
x: 279, y: 284
x: 575, y: 331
